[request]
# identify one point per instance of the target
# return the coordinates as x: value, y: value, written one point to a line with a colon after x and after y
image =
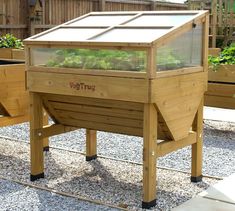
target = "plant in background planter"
x: 11, y: 47
x: 221, y: 79
x: 9, y: 41
x: 227, y: 57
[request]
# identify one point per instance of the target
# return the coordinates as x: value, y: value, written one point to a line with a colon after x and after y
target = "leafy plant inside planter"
x: 166, y: 60
x: 99, y: 59
x: 110, y: 60
x: 227, y: 56
x: 9, y: 41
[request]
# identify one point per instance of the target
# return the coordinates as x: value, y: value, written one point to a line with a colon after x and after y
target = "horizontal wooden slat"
x: 18, y: 54
x: 166, y: 147
x: 225, y: 73
x: 128, y: 89
x: 13, y: 26
x: 94, y: 102
x: 108, y: 111
x: 100, y: 118
x: 220, y: 95
x: 103, y: 127
x: 59, y: 107
x: 113, y: 73
x: 219, y: 89
x: 214, y: 51
x: 5, y: 53
x: 51, y: 130
x: 220, y: 101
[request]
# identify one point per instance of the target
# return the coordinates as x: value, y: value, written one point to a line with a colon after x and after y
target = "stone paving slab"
x: 204, y: 204
x: 224, y: 190
x: 219, y: 114
x: 219, y: 197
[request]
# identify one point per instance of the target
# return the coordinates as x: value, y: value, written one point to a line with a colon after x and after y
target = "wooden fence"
x: 14, y: 17
x: 21, y: 19
x: 222, y: 18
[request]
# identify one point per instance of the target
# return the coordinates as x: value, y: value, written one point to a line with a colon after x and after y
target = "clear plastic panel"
x: 69, y: 34
x: 183, y: 51
x: 89, y: 59
x: 131, y: 35
x: 101, y: 20
x: 159, y: 20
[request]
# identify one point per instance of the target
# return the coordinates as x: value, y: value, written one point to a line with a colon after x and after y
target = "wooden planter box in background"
x: 11, y: 53
x: 14, y: 99
x: 221, y: 87
x: 13, y: 96
x: 214, y: 51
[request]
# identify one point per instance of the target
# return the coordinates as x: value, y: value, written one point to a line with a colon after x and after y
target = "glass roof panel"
x: 131, y: 35
x: 146, y: 27
x: 69, y: 34
x: 159, y: 20
x: 101, y: 20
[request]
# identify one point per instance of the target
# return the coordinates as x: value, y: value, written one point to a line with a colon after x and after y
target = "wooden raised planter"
x: 13, y: 96
x: 12, y: 53
x: 163, y: 107
x: 221, y: 87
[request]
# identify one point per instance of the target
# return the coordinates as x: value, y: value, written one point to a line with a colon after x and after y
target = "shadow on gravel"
x: 14, y: 168
x: 52, y: 169
x: 99, y: 184
x: 219, y: 142
x: 19, y: 169
x: 7, y: 188
x: 220, y: 133
x: 202, y: 184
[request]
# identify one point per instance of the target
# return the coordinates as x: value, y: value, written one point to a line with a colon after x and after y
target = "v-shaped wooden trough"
x: 134, y: 73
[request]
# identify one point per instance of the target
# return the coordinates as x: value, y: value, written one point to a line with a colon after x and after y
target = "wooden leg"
x: 91, y: 152
x: 149, y: 156
x: 45, y: 140
x: 36, y: 143
x: 196, y: 168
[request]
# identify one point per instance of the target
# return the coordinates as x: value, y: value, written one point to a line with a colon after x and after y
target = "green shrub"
x: 9, y: 41
x: 227, y: 56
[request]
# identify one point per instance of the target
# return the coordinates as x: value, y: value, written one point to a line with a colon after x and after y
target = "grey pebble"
x: 111, y: 181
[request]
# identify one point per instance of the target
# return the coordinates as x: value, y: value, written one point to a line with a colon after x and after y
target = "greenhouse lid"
x: 127, y: 28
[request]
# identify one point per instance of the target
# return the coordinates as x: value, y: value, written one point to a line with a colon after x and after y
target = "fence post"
x: 4, y: 13
x: 102, y: 5
x: 153, y: 5
x: 214, y: 22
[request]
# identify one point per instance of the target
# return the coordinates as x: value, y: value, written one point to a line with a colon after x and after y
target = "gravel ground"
x: 14, y: 196
x: 218, y: 149
x: 113, y: 182
x: 105, y: 180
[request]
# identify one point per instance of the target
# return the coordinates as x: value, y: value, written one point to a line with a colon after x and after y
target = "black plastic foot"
x: 89, y: 158
x: 148, y: 205
x: 46, y: 149
x: 35, y: 177
x: 196, y: 179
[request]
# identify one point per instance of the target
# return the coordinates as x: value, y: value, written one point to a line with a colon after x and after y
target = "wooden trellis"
x: 222, y: 18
